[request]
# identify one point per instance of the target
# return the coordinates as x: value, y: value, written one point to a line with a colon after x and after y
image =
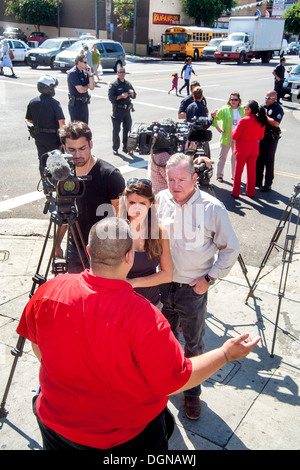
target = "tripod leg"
x: 17, y: 352
x: 273, y: 242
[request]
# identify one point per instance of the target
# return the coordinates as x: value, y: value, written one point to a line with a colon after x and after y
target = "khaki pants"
x: 222, y: 159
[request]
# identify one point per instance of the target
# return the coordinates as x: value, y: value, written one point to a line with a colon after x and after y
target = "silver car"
x: 112, y: 54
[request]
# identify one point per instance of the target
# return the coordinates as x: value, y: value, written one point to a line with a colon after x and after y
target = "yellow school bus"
x: 181, y: 41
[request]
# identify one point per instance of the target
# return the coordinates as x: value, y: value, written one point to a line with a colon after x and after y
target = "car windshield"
x: 76, y: 46
x: 215, y: 42
x: 236, y: 37
x: 51, y: 44
x: 296, y: 71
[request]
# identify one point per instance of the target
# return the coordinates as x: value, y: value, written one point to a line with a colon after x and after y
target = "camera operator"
x: 188, y: 100
x: 80, y: 80
x: 45, y: 116
x: 157, y: 166
x: 104, y: 188
x: 197, y: 109
x: 108, y: 358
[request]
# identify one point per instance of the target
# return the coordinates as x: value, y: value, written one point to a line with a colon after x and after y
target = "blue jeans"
x: 182, y: 306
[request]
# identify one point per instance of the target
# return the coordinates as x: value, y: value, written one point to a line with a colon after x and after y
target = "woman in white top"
x: 5, y: 60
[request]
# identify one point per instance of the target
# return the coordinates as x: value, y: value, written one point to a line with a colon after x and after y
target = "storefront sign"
x: 162, y: 18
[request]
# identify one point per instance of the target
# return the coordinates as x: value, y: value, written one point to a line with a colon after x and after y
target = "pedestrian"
x: 5, y: 60
x: 188, y: 100
x: 152, y: 264
x: 80, y: 81
x: 102, y: 189
x: 108, y: 359
x: 46, y: 116
x: 174, y: 83
x: 88, y: 56
x: 278, y: 73
x: 249, y: 131
x: 268, y: 145
x: 120, y: 94
x: 229, y: 116
x: 95, y: 60
x: 186, y: 73
x: 204, y: 248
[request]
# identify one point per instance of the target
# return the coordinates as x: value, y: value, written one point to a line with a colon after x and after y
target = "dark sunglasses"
x: 137, y: 180
x: 234, y: 99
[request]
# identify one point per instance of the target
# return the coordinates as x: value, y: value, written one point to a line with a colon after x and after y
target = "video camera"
x: 169, y: 136
x: 59, y: 176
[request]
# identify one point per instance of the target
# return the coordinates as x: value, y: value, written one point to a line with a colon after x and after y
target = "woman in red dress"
x: 249, y: 131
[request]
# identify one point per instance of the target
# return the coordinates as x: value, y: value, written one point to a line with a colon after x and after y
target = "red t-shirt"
x: 109, y: 358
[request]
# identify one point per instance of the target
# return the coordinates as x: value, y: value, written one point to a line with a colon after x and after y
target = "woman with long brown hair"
x: 152, y: 261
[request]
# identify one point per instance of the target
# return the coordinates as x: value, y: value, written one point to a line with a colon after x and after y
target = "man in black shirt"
x: 45, y: 115
x: 278, y: 73
x: 268, y: 145
x: 80, y: 80
x: 120, y: 93
x: 188, y: 100
x: 102, y: 192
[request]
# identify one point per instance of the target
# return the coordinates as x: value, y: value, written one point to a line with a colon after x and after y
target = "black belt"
x: 47, y: 131
x: 124, y: 106
x: 178, y: 284
x: 83, y: 100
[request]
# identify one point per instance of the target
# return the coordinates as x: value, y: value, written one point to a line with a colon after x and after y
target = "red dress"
x: 247, y: 135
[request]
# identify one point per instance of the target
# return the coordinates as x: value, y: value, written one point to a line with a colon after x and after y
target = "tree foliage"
x: 292, y: 19
x: 34, y: 12
x: 124, y: 11
x: 205, y: 12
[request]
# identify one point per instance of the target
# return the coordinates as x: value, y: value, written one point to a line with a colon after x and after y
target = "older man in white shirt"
x: 204, y: 248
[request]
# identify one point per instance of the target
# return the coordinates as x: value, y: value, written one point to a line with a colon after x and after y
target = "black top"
x: 142, y: 267
x: 195, y: 109
x: 276, y: 112
x: 76, y: 78
x: 280, y: 70
x: 187, y: 101
x: 116, y: 89
x: 107, y: 183
x: 45, y: 112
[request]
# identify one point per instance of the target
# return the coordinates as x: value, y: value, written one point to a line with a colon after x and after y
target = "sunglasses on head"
x: 137, y: 180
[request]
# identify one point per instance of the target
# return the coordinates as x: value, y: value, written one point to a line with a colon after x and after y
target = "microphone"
x: 57, y: 166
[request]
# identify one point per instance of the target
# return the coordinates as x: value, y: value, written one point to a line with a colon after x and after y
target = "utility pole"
x: 97, y: 18
x: 58, y: 19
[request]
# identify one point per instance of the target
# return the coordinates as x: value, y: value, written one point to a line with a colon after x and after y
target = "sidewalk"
x: 249, y: 404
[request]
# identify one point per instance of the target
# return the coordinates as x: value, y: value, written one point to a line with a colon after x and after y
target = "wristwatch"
x: 209, y: 280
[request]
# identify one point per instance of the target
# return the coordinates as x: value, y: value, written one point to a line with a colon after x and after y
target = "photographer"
x: 45, y: 115
x: 188, y: 100
x: 197, y: 108
x: 105, y: 187
x: 120, y: 93
x: 108, y: 359
x: 80, y: 80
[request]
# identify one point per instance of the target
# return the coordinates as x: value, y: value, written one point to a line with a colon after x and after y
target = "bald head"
x: 109, y: 242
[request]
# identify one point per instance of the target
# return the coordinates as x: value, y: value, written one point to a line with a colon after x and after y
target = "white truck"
x: 251, y: 37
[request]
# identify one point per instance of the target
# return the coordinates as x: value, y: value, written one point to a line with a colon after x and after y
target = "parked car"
x: 45, y: 54
x: 293, y: 48
x: 37, y: 36
x: 112, y: 54
x: 14, y: 33
x: 293, y: 76
x: 19, y: 49
x: 210, y: 49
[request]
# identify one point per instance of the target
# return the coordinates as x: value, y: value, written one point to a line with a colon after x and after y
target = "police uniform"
x: 120, y: 111
x: 267, y: 148
x: 278, y: 84
x: 78, y: 102
x: 45, y: 112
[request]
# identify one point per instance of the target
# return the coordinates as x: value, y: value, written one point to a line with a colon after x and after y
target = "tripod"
x: 210, y: 190
x: 65, y: 215
x: 288, y: 251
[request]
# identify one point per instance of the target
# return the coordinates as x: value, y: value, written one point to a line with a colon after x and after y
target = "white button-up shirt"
x: 202, y: 240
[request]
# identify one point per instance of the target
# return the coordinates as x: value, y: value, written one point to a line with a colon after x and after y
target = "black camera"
x: 169, y: 136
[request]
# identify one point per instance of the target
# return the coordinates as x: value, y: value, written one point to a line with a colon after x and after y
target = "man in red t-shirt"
x: 108, y: 357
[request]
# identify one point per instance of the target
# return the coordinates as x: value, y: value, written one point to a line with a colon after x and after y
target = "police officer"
x: 278, y: 73
x: 268, y: 145
x: 120, y: 93
x: 45, y: 116
x: 80, y: 80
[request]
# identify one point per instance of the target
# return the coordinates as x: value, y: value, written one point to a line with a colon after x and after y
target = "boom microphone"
x: 58, y: 166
